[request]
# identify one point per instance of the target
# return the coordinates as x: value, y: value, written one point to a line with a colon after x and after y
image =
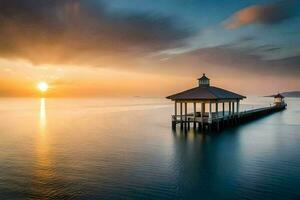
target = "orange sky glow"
x: 20, y: 78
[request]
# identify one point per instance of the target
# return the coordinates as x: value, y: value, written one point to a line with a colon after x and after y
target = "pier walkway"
x: 221, y: 120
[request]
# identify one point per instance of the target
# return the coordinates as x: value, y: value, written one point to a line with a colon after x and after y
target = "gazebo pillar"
x: 238, y: 108
x: 223, y: 109
x: 217, y: 108
x: 174, y: 119
x: 210, y: 114
x: 195, y: 112
x: 202, y: 114
x: 233, y: 110
x: 175, y: 111
x: 185, y: 114
x: 229, y: 109
x: 203, y: 107
x: 217, y: 112
x: 181, y: 114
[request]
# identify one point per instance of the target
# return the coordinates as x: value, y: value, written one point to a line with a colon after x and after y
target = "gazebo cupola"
x: 204, y: 81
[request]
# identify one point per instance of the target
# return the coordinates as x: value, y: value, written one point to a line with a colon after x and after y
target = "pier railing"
x: 190, y: 117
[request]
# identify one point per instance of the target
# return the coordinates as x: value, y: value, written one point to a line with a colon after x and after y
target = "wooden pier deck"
x: 221, y: 120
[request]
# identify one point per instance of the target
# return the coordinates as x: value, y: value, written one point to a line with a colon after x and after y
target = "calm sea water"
x: 125, y: 149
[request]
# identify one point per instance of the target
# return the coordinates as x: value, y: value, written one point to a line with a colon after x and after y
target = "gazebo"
x: 226, y: 105
x: 278, y: 99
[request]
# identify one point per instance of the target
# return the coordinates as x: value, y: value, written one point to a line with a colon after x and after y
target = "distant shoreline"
x: 294, y: 94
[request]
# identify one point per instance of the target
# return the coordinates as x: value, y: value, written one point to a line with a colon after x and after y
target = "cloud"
x: 229, y: 59
x: 262, y: 14
x: 82, y: 32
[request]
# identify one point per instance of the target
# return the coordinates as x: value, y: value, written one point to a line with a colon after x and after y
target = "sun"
x: 42, y: 86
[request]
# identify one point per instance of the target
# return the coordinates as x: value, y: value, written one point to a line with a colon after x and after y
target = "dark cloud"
x: 82, y: 32
x: 263, y: 14
x: 228, y: 59
x: 268, y: 48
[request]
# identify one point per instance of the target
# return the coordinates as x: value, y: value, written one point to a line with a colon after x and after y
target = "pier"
x: 215, y: 108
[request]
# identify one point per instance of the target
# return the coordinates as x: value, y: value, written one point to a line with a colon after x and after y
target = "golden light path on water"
x: 42, y: 115
x: 43, y: 169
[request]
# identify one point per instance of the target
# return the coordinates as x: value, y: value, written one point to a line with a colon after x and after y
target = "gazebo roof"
x: 206, y: 93
x: 278, y: 96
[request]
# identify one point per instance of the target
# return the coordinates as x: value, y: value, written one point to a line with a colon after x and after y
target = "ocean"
x: 124, y: 148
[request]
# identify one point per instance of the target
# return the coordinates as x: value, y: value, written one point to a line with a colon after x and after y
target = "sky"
x: 148, y: 48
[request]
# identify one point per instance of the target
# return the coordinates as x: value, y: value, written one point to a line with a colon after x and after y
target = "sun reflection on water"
x: 43, y: 170
x: 42, y: 115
